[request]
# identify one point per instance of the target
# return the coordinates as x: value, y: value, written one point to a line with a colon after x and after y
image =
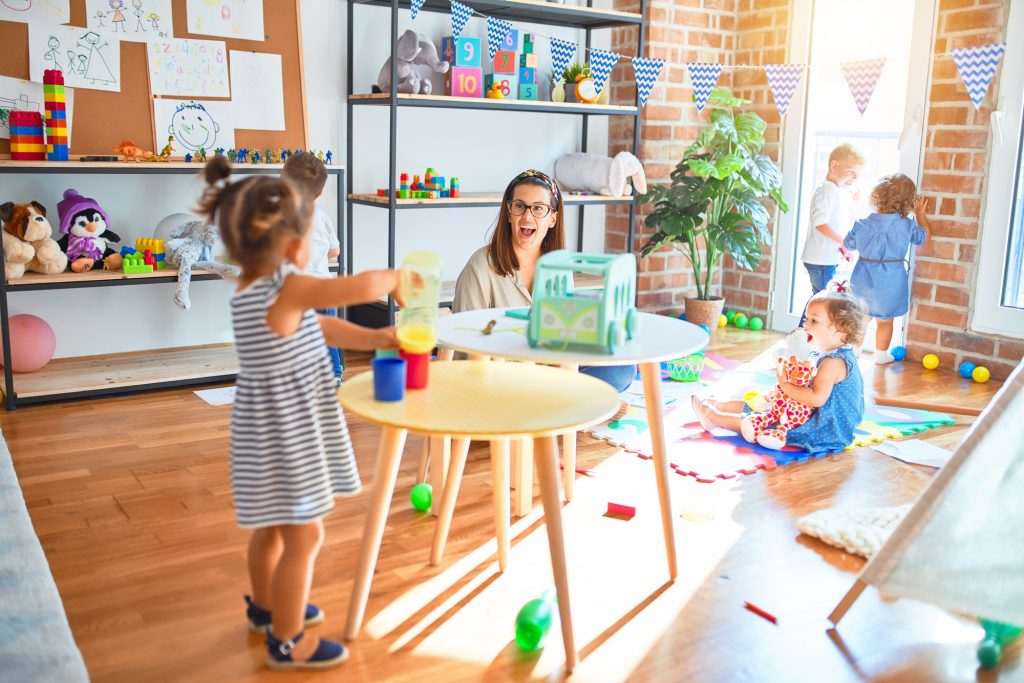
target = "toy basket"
x: 687, y: 368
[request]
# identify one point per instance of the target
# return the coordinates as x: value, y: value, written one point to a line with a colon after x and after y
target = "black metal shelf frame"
x: 496, y: 105
x: 587, y: 18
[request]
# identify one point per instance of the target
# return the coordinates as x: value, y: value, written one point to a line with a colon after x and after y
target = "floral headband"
x: 544, y: 177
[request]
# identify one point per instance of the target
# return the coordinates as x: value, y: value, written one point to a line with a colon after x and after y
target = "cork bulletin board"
x: 103, y: 119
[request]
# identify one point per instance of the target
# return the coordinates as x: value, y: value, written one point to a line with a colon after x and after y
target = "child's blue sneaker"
x: 328, y: 653
x: 259, y: 618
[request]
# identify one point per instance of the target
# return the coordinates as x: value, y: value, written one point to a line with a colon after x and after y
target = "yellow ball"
x: 722, y: 321
x: 931, y: 361
x: 981, y: 374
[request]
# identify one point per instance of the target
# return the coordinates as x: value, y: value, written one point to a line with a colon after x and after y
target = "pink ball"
x: 32, y: 343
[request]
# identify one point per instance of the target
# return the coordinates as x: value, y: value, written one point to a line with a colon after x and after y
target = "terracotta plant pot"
x: 700, y: 312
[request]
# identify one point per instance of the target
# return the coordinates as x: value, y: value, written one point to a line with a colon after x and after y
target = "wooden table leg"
x: 499, y: 478
x: 424, y: 467
x: 522, y: 476
x: 546, y: 452
x: 651, y: 374
x: 389, y: 457
x: 460, y: 449
x: 569, y: 450
x: 440, y: 457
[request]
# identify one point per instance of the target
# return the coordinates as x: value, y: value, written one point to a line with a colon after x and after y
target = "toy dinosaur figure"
x: 165, y: 153
x: 131, y: 151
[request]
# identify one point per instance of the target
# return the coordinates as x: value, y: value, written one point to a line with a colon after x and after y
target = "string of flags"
x: 976, y: 66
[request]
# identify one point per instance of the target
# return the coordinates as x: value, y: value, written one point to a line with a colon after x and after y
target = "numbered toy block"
x: 464, y: 81
x: 528, y: 91
x: 528, y: 45
x: 461, y: 51
x: 504, y: 62
x: 528, y: 61
x: 509, y: 86
x: 527, y: 75
x: 511, y: 42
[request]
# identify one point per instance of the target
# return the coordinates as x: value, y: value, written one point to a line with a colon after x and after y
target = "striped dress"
x: 290, y: 449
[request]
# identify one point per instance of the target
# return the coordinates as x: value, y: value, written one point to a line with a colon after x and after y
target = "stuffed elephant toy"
x: 191, y: 246
x: 601, y: 175
x: 412, y: 49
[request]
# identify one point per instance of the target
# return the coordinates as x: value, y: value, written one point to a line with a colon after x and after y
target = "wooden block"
x: 527, y: 75
x: 528, y: 60
x: 511, y: 41
x: 461, y: 51
x: 529, y: 91
x: 464, y: 81
x: 509, y: 87
x: 504, y: 62
x: 620, y: 509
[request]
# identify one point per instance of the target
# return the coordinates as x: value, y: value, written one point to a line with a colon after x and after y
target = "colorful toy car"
x: 599, y: 319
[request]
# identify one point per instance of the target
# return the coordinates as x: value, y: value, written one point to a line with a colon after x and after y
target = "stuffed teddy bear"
x: 27, y: 224
x: 601, y: 175
x: 769, y: 428
x: 83, y: 224
x: 412, y: 49
x: 191, y: 246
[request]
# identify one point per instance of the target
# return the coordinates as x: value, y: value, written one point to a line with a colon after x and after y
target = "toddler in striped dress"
x: 290, y: 448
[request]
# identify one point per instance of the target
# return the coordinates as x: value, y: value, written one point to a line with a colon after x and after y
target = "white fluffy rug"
x: 858, y: 531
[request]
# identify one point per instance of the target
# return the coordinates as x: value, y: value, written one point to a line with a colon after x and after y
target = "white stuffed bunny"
x: 601, y: 175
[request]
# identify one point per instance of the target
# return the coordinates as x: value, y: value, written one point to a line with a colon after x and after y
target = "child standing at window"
x: 881, y: 276
x: 290, y: 449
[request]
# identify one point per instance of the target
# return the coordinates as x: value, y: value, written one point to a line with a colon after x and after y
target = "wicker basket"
x: 687, y: 368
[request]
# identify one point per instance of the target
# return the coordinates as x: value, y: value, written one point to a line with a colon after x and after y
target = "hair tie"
x: 842, y: 287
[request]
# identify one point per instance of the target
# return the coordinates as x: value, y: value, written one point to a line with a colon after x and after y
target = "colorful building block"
x: 528, y: 43
x: 504, y: 62
x: 154, y: 245
x: 620, y: 509
x: 56, y: 115
x: 461, y: 51
x: 136, y: 263
x: 508, y: 85
x: 464, y: 81
x: 27, y: 142
x: 528, y: 60
x: 529, y: 91
x: 511, y: 41
x: 527, y: 75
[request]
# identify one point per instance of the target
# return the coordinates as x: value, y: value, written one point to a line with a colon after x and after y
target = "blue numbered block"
x: 461, y: 51
x: 528, y: 91
x: 527, y: 75
x: 511, y: 41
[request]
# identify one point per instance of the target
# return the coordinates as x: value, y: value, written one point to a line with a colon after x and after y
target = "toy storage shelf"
x: 532, y: 11
x: 66, y: 378
x: 106, y: 278
x: 131, y: 168
x: 445, y: 102
x: 471, y: 200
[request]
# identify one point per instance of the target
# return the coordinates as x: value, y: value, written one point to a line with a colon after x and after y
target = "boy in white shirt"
x: 308, y: 173
x: 823, y: 249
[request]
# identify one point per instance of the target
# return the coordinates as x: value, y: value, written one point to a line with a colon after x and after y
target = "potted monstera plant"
x: 715, y: 202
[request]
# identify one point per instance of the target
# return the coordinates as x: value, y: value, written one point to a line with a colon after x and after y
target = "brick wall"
x: 956, y: 161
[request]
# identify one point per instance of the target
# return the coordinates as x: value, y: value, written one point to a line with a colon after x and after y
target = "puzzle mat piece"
x: 707, y: 459
x: 889, y: 415
x: 631, y: 432
x: 672, y: 393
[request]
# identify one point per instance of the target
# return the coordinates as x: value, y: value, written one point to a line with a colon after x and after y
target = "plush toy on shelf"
x: 412, y: 49
x: 27, y: 224
x: 769, y: 428
x: 83, y: 224
x: 191, y: 246
x: 600, y: 174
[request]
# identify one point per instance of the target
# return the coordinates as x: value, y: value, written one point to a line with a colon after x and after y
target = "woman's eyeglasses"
x: 518, y: 208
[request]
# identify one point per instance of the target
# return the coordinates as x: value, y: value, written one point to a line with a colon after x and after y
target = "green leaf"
x: 721, y: 97
x: 750, y: 128
x: 728, y: 164
x: 751, y: 209
x: 723, y: 124
x: 656, y: 242
x: 701, y: 167
x: 763, y: 171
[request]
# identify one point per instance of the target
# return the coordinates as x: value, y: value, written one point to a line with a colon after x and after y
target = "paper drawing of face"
x: 193, y: 127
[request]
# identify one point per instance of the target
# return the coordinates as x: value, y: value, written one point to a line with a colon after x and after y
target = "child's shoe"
x: 747, y: 429
x: 772, y: 439
x: 328, y: 653
x: 702, y: 416
x: 883, y: 357
x: 259, y: 618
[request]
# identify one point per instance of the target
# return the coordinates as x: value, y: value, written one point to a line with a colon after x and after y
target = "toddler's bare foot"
x: 700, y: 409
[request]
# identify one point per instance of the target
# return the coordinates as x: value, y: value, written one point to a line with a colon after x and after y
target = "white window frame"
x: 989, y: 314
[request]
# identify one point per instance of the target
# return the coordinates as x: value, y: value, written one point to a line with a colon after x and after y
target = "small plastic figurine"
x: 330, y: 156
x: 166, y: 152
x: 320, y: 156
x: 219, y: 152
x: 243, y: 156
x: 201, y: 155
x: 266, y: 156
x: 232, y: 155
x: 255, y: 157
x: 284, y: 155
x: 188, y: 158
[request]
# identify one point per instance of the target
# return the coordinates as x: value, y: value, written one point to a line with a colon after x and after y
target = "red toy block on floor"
x: 620, y: 509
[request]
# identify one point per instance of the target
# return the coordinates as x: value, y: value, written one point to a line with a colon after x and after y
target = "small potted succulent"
x: 576, y: 85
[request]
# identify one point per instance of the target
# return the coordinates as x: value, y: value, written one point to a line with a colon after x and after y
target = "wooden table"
x: 478, y: 400
x: 658, y: 338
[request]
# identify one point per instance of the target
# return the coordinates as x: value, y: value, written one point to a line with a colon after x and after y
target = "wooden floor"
x: 132, y: 501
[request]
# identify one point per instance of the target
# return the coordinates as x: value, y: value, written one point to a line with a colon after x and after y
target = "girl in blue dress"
x: 290, y: 449
x: 881, y: 275
x: 835, y: 324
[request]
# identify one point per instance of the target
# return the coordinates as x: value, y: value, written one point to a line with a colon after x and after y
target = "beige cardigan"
x: 479, y: 287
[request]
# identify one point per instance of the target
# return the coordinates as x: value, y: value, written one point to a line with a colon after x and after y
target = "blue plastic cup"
x: 388, y: 379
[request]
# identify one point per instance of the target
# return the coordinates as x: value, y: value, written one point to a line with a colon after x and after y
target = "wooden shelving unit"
x: 478, y: 199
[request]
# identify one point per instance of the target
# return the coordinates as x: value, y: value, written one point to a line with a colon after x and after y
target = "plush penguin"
x: 85, y: 238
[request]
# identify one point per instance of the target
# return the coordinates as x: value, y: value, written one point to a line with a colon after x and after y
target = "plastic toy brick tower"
x: 56, y: 115
x: 27, y: 142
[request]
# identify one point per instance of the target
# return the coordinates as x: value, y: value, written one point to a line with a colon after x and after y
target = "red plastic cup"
x: 417, y: 367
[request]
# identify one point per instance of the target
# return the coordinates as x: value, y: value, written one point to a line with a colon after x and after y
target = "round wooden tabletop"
x: 658, y: 338
x: 484, y: 400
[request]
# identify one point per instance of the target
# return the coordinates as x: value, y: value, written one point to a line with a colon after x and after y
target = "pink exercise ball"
x: 32, y: 343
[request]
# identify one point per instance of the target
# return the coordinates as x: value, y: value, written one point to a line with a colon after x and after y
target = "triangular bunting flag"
x: 783, y: 80
x: 646, y: 70
x: 497, y: 29
x: 460, y: 15
x: 561, y: 52
x: 601, y: 64
x: 862, y: 77
x: 977, y: 66
x: 416, y: 5
x: 704, y: 76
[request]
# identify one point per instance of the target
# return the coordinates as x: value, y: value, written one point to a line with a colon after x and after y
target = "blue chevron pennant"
x: 416, y: 5
x: 460, y: 15
x: 646, y: 70
x: 561, y: 52
x: 601, y: 64
x: 497, y: 29
x: 704, y: 76
x: 862, y: 77
x: 783, y: 80
x: 977, y: 66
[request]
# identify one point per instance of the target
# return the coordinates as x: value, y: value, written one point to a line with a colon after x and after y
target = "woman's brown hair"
x: 500, y: 254
x: 253, y: 214
x: 894, y: 193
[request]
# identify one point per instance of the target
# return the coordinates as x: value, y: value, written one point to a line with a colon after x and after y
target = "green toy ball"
x: 421, y: 496
x: 756, y: 323
x: 729, y: 315
x: 741, y: 320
